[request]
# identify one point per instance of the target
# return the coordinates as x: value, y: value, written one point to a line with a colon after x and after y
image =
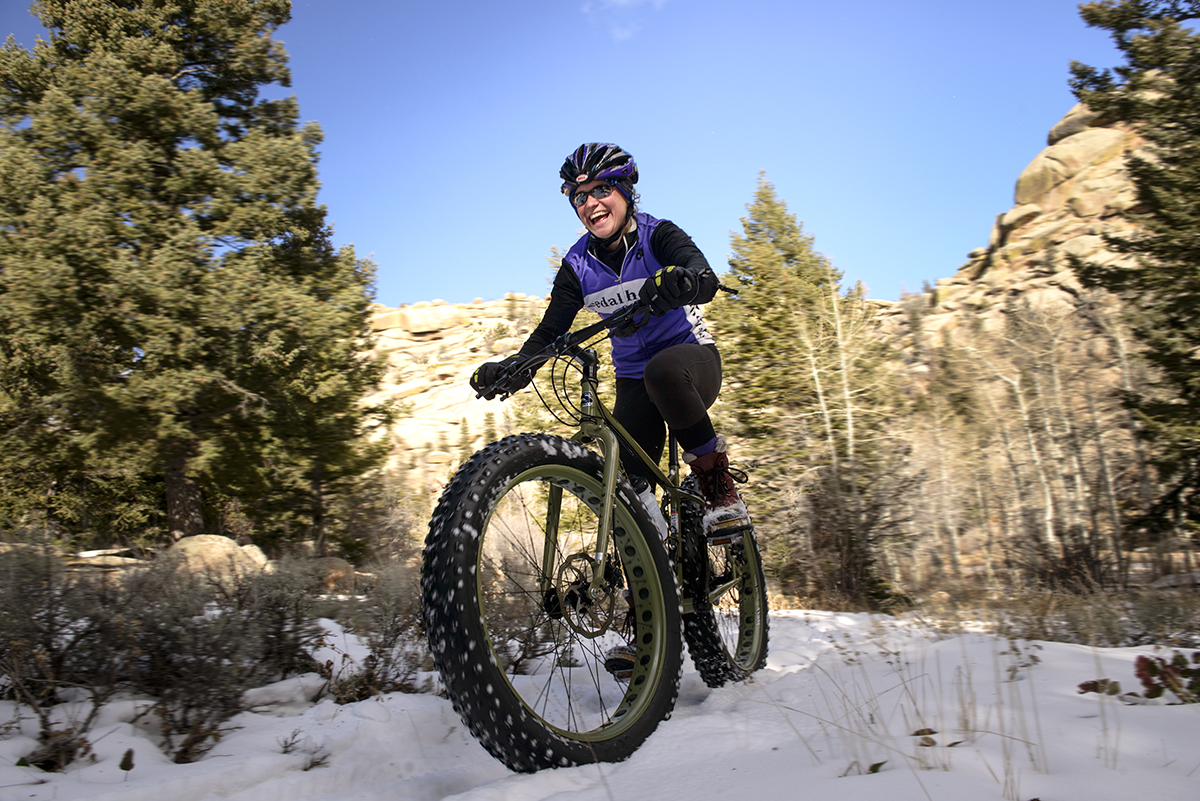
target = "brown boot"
x: 727, y: 517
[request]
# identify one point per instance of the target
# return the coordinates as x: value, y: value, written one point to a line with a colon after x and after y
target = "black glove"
x: 673, y: 287
x: 497, y: 378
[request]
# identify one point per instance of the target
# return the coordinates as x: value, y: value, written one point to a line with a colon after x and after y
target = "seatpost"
x: 673, y: 458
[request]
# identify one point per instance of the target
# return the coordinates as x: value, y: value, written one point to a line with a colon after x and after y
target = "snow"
x: 840, y: 694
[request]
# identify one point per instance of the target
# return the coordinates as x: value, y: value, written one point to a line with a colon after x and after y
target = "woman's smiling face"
x: 603, y: 217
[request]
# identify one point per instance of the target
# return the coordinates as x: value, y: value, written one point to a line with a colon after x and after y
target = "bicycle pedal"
x: 619, y: 661
x: 728, y: 534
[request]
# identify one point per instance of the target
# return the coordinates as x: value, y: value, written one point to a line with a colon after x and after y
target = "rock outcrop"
x: 431, y: 349
x: 1070, y: 195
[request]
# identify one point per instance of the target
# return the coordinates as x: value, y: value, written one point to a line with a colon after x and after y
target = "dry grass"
x: 924, y: 713
x: 1106, y: 619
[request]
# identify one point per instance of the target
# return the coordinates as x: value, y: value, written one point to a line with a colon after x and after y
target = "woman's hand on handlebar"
x: 514, y: 373
x: 674, y: 287
x: 500, y: 378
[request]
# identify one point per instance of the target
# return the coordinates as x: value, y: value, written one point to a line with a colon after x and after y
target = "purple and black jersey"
x: 584, y: 281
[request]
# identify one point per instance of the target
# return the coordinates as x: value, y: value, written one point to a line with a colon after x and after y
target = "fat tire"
x: 727, y: 642
x: 476, y: 608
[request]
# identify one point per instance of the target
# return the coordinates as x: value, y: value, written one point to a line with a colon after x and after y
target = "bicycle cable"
x: 559, y: 385
x: 560, y: 397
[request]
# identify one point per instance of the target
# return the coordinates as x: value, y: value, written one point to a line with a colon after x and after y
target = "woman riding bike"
x: 668, y: 368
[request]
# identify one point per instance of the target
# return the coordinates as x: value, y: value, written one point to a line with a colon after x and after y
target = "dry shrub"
x: 1088, y: 616
x: 207, y: 638
x: 60, y: 653
x: 1170, y: 617
x: 193, y: 641
x: 387, y: 619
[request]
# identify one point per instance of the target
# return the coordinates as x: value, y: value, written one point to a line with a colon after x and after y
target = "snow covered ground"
x: 936, y: 717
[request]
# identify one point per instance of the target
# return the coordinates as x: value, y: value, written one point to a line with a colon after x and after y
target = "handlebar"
x: 615, y: 320
x: 568, y: 342
x: 560, y: 347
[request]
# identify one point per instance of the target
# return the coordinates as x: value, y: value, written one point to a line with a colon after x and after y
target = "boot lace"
x: 717, y: 485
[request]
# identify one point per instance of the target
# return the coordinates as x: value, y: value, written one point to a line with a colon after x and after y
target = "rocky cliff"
x: 431, y: 349
x: 1070, y: 195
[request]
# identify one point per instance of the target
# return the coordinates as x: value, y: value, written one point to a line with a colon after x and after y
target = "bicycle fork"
x: 591, y: 430
x: 600, y: 429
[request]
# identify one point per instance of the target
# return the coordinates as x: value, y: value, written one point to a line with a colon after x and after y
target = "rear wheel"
x: 517, y: 626
x: 727, y: 630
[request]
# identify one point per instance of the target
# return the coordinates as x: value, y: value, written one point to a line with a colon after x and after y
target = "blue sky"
x: 895, y: 132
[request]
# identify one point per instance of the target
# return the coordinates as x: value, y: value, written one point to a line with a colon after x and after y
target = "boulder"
x: 410, y: 388
x: 1077, y: 120
x: 1177, y: 580
x: 213, y: 555
x: 507, y: 346
x: 1064, y: 160
x: 1020, y: 215
x: 1048, y: 299
x: 428, y: 320
x: 1083, y: 246
x: 256, y: 555
x: 1102, y: 194
x: 107, y: 562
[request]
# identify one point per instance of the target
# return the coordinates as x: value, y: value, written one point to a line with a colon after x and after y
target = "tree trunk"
x: 1116, y: 542
x: 1049, y: 537
x: 185, y: 511
x: 945, y: 516
x: 317, y: 511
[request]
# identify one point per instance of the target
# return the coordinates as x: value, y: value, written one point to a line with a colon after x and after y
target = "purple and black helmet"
x: 599, y: 161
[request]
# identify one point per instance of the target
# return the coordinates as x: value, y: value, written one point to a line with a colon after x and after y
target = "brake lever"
x: 629, y: 324
x: 501, y: 385
x: 492, y: 391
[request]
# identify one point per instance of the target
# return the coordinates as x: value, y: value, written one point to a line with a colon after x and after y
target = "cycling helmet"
x: 599, y: 161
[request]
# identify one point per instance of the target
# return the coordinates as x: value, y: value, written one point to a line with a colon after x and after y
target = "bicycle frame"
x: 521, y: 635
x: 598, y: 425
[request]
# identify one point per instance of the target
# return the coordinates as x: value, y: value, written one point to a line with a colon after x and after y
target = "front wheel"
x: 727, y: 629
x: 520, y: 619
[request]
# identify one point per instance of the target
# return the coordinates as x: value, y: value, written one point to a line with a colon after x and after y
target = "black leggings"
x: 680, y: 384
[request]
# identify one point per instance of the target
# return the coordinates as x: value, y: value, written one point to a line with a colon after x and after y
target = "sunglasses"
x: 598, y: 192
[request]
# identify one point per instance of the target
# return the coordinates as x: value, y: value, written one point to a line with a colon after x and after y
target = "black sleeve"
x: 671, y: 246
x: 566, y: 299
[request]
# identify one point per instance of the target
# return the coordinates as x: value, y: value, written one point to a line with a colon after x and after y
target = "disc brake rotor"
x: 588, y: 613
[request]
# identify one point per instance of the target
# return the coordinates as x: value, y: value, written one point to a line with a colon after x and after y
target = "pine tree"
x: 169, y: 289
x: 1157, y: 91
x: 776, y: 272
x: 803, y: 387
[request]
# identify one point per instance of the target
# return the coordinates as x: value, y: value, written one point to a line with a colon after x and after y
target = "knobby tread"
x: 709, y: 650
x: 480, y: 690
